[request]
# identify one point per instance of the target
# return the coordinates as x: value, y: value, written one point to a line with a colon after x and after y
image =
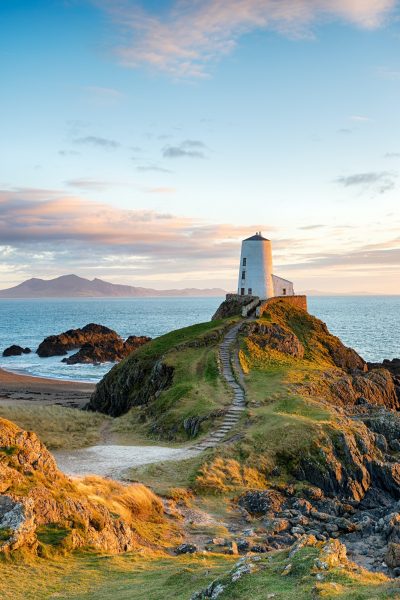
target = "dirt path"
x: 233, y: 413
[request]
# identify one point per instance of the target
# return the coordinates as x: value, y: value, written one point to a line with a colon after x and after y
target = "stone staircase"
x: 238, y: 404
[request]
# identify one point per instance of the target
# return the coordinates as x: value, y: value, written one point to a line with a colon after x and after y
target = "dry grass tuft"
x: 224, y: 475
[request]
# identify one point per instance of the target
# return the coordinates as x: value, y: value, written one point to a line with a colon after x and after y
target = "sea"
x: 369, y: 324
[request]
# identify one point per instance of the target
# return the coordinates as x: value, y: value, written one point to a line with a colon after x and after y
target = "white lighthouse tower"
x: 255, y: 271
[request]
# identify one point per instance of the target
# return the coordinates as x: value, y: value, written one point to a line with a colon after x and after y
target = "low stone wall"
x: 297, y: 301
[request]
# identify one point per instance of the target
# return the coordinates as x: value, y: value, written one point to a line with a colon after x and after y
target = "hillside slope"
x: 43, y: 510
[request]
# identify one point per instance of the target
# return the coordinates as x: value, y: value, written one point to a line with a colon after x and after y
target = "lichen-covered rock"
x: 374, y: 387
x: 274, y: 336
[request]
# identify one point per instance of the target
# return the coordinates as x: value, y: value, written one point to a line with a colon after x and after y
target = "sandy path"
x: 113, y: 461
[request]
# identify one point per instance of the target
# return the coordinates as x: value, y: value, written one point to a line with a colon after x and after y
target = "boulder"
x: 262, y: 502
x: 392, y: 556
x: 16, y: 350
x: 186, y: 549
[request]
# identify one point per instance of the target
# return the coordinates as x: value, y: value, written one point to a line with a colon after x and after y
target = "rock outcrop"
x: 40, y: 506
x: 110, y: 350
x: 16, y: 350
x: 274, y: 336
x: 59, y: 345
x: 232, y: 306
x: 121, y: 389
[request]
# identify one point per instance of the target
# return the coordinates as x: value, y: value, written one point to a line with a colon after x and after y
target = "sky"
x: 142, y: 141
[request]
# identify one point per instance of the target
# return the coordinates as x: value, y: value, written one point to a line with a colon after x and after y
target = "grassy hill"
x: 301, y: 470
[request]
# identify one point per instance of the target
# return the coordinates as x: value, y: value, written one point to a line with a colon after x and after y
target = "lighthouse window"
x: 244, y: 262
x: 243, y: 274
x: 250, y: 291
x: 242, y: 291
x: 284, y: 291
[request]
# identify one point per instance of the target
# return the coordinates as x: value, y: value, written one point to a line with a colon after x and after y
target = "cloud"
x: 382, y: 181
x: 360, y: 118
x: 89, y: 184
x: 103, y: 95
x: 306, y: 227
x: 189, y: 35
x: 388, y: 73
x: 392, y: 155
x: 50, y: 219
x: 161, y: 190
x: 93, y: 140
x: 187, y: 148
x: 156, y: 168
x: 361, y: 257
x: 68, y: 153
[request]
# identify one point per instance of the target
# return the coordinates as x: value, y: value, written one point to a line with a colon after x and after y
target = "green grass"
x: 5, y: 534
x: 102, y: 577
x: 57, y: 426
x: 8, y: 450
x: 197, y: 391
x: 165, y: 343
x: 85, y: 576
x: 163, y: 476
x: 52, y: 534
x: 300, y: 584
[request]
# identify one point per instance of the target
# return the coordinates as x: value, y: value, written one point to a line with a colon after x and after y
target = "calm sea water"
x: 369, y: 324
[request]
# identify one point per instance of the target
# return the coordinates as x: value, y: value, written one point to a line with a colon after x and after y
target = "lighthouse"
x: 256, y: 276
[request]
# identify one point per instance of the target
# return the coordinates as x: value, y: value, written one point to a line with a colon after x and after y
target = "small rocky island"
x: 94, y: 344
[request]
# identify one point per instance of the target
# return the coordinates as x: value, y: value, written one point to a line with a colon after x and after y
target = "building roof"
x: 256, y: 238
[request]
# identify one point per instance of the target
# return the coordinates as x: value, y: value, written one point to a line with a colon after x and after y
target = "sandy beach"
x: 15, y: 387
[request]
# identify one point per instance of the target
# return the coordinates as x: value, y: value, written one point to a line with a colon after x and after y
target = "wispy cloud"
x: 89, y: 184
x: 392, y: 155
x: 382, y: 181
x: 68, y: 153
x: 187, y: 148
x: 103, y: 95
x: 156, y: 168
x: 306, y: 227
x: 189, y: 35
x: 100, y: 142
x: 389, y: 73
x: 161, y: 190
x: 360, y: 118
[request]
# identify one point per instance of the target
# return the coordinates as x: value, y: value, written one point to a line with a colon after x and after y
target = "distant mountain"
x: 72, y: 286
